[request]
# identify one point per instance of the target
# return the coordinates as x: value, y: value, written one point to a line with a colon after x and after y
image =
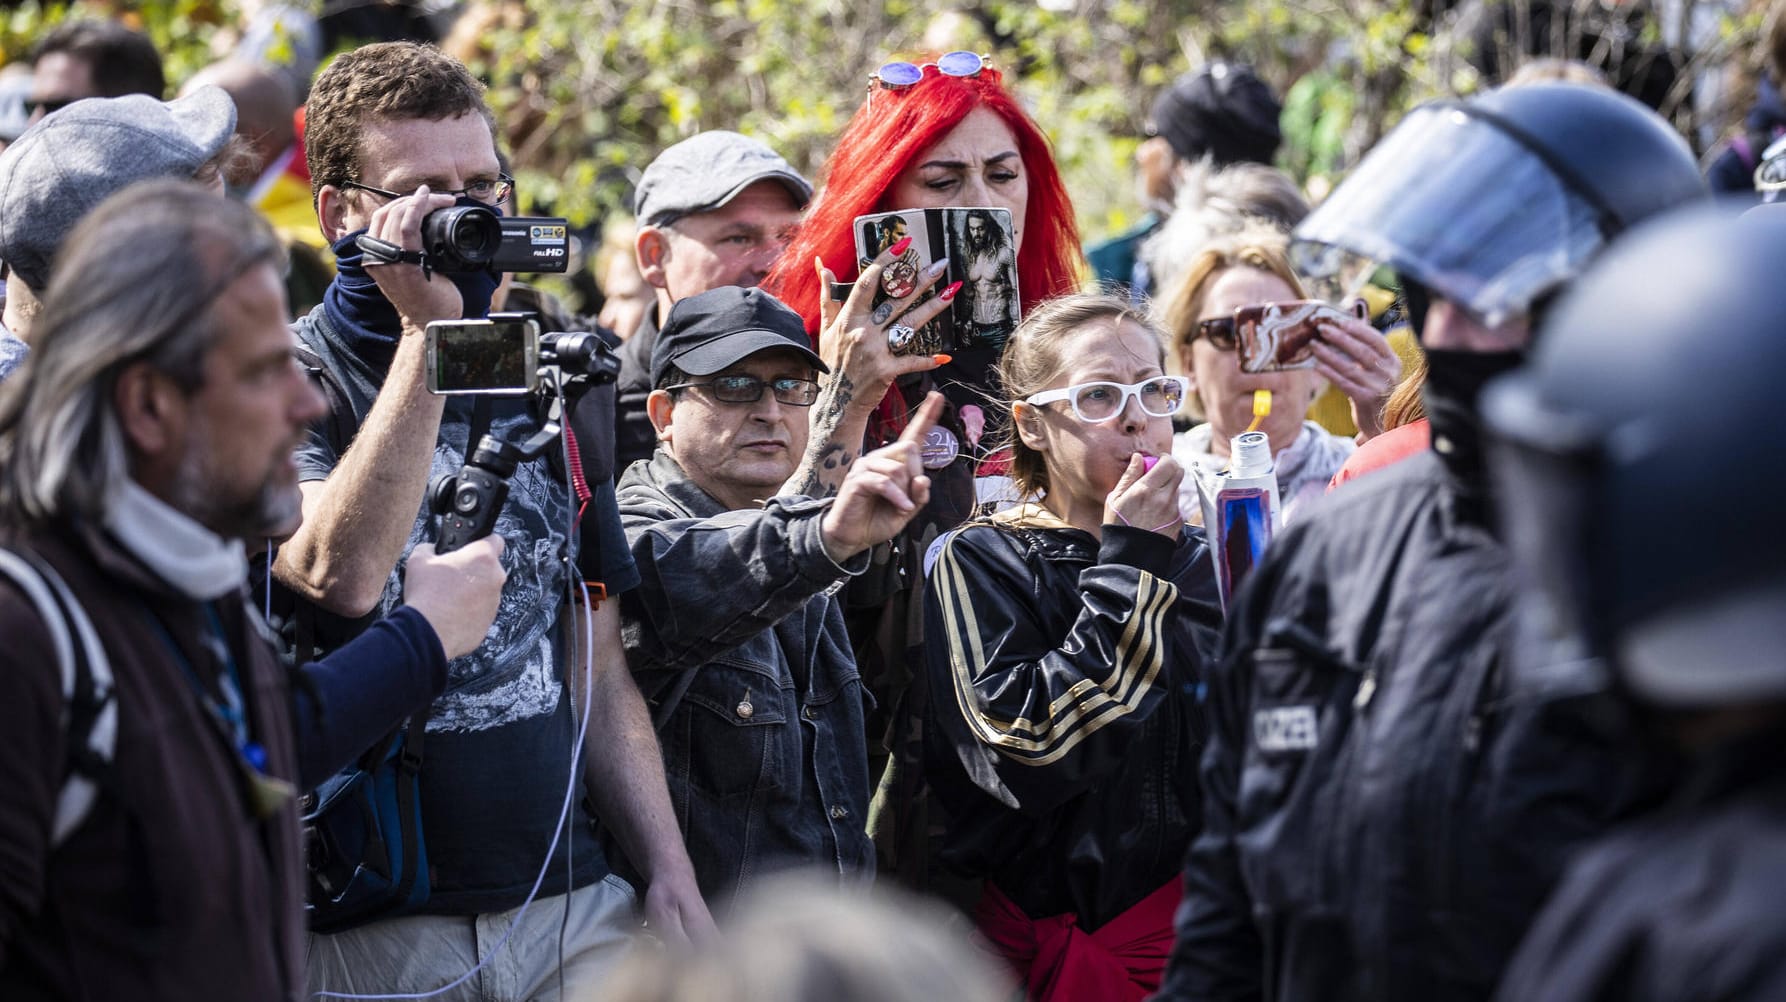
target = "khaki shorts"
x: 421, y: 953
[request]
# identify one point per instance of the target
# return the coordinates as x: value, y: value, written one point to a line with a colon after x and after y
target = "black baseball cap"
x: 1223, y: 111
x: 708, y: 332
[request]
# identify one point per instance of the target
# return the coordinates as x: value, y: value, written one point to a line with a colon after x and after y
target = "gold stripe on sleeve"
x: 1087, y: 705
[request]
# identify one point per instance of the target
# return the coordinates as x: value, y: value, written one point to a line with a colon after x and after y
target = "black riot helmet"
x: 1640, y: 463
x: 1494, y: 202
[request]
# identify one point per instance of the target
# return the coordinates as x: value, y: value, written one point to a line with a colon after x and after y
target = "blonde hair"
x: 1179, y: 310
x: 1035, y: 356
x: 1404, y: 405
x: 799, y: 938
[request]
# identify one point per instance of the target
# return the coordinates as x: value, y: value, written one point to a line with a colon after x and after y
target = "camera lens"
x: 461, y: 238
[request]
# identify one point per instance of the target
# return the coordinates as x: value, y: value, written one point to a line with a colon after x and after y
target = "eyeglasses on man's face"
x: 486, y: 191
x: 1097, y: 402
x: 746, y: 389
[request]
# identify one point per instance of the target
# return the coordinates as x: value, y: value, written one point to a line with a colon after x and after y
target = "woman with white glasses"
x: 1064, y: 642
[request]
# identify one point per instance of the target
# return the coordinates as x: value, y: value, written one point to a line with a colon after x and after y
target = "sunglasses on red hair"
x: 900, y: 75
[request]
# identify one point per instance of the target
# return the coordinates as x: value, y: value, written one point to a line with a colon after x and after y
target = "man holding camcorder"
x: 397, y: 132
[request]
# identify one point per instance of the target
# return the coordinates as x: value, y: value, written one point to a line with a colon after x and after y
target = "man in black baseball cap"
x: 736, y: 636
x: 713, y: 210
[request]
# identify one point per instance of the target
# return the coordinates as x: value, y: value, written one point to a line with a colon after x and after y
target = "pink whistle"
x: 1147, y: 463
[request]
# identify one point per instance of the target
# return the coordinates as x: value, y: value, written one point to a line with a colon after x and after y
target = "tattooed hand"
x: 863, y: 368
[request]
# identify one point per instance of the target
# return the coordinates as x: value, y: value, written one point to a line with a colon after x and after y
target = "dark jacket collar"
x: 666, y: 477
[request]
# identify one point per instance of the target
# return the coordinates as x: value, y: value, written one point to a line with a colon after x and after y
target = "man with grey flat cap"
x: 67, y: 163
x: 735, y: 634
x: 715, y: 209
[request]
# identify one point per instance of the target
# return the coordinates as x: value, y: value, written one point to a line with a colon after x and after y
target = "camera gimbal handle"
x: 469, y: 501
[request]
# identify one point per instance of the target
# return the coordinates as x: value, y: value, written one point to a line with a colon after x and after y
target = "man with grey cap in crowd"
x: 66, y: 164
x: 715, y: 209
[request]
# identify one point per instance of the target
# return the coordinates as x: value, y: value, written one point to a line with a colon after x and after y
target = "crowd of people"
x: 654, y: 681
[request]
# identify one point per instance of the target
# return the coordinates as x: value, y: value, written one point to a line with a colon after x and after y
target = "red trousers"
x: 1060, y: 962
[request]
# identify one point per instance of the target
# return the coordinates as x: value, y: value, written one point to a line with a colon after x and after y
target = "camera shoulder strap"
x: 340, y: 433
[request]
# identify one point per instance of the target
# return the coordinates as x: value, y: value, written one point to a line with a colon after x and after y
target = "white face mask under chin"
x: 196, y: 561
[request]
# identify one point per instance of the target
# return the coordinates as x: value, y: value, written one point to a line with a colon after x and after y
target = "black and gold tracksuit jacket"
x: 1063, y: 725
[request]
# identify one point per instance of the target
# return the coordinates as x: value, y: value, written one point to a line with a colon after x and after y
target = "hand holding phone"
x: 1272, y: 337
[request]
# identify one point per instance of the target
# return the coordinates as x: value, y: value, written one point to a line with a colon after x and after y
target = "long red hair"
x: 888, y: 134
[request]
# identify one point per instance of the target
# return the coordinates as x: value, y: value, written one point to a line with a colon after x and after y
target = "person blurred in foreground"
x: 797, y: 938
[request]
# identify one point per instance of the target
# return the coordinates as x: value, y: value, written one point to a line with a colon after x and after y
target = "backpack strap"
x: 340, y: 433
x: 90, y: 714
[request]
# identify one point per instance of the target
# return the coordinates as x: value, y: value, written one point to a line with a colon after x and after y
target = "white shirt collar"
x: 199, y: 563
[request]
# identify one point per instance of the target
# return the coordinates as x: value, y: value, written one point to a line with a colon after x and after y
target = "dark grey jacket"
x: 1387, y: 800
x: 737, y: 639
x: 1683, y: 906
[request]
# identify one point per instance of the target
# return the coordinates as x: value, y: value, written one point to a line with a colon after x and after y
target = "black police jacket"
x: 1386, y: 804
x: 1062, y: 729
x: 1684, y: 907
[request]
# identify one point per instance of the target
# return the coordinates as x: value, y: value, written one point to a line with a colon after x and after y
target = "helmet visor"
x: 1455, y: 203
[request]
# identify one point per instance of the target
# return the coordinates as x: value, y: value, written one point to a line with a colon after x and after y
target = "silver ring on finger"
x: 900, y: 337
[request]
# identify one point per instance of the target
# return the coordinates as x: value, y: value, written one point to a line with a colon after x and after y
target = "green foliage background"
x: 589, y: 90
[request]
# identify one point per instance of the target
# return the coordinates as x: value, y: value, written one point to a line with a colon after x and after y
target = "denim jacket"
x: 736, y: 638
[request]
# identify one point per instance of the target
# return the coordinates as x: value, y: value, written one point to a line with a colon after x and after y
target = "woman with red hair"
x: 954, y: 137
x: 942, y: 134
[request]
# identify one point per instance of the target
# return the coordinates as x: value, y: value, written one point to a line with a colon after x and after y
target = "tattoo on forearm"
x: 827, y: 460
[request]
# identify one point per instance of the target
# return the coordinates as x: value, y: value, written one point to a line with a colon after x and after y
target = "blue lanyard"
x: 229, y: 714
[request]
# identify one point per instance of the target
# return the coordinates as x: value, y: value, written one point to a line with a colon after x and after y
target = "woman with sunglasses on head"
x: 1064, y: 642
x: 1251, y: 269
x: 933, y: 135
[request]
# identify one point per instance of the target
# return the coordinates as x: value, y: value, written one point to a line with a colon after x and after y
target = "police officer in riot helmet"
x: 1641, y: 484
x: 1387, y: 804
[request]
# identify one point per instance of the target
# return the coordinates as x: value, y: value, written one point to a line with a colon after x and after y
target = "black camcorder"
x: 466, y: 238
x: 469, y: 238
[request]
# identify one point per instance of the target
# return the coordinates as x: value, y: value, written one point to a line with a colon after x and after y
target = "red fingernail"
x: 949, y: 293
x: 941, y: 359
x: 899, y: 248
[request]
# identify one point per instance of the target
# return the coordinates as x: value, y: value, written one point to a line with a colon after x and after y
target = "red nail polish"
x: 900, y: 247
x: 949, y: 293
x: 941, y: 359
